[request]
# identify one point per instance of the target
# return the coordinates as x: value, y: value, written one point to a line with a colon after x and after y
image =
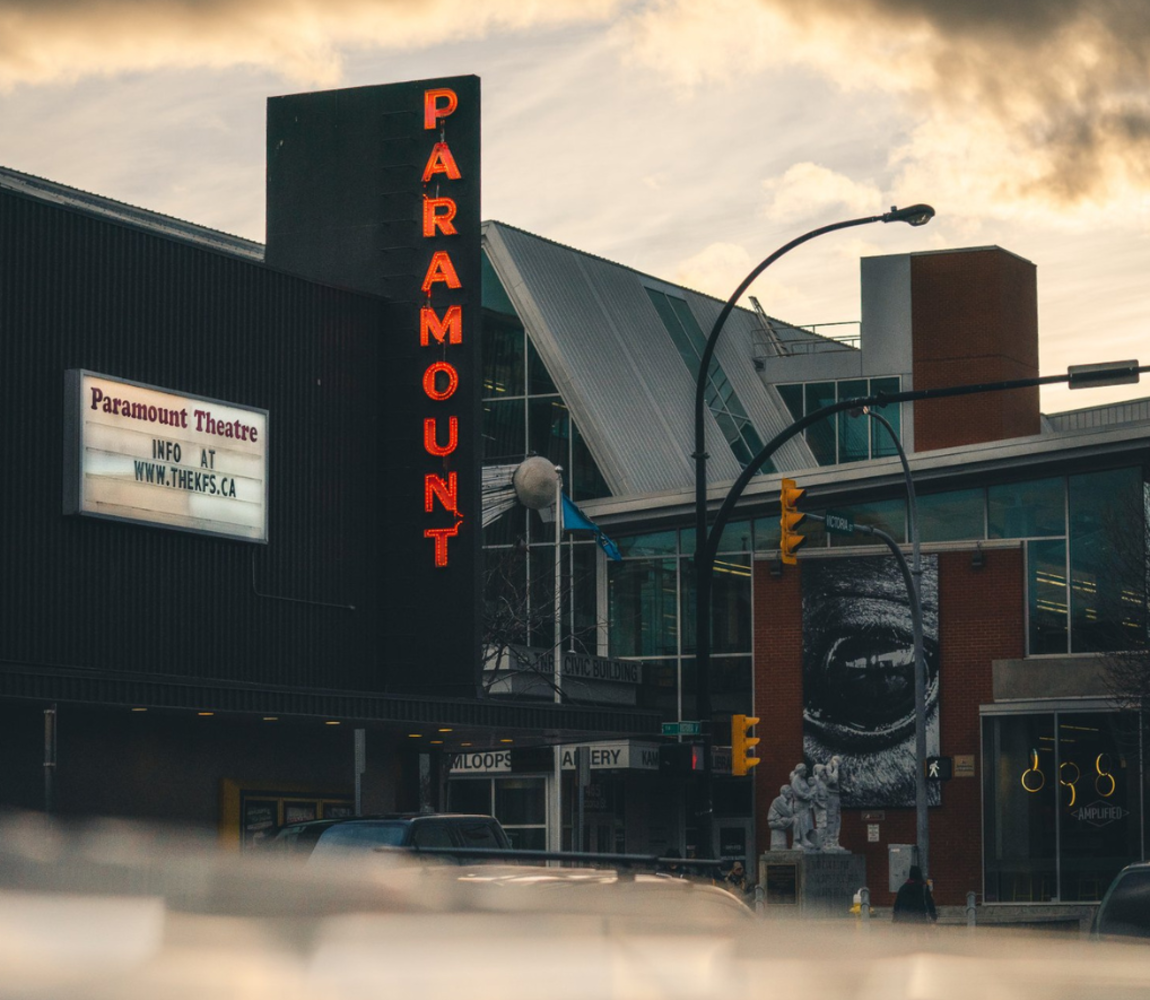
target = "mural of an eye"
x: 858, y: 672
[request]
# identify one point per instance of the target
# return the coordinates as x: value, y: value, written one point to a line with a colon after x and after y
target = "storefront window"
x: 1098, y: 803
x: 1063, y: 805
x: 1020, y: 784
x: 520, y: 805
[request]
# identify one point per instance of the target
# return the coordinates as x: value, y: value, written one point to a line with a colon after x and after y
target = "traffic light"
x: 789, y: 520
x: 743, y: 744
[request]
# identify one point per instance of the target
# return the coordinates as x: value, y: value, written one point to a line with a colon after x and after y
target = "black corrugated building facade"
x: 184, y: 676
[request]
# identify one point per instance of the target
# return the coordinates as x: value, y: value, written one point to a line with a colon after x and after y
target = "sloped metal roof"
x: 617, y: 369
x: 118, y: 211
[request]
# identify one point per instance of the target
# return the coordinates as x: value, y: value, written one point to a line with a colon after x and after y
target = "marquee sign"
x: 134, y: 452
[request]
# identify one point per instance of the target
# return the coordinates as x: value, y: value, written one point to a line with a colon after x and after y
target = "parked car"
x: 323, y: 838
x: 1125, y: 909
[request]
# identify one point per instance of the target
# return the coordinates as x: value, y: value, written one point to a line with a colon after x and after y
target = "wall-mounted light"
x: 776, y: 569
x: 977, y: 559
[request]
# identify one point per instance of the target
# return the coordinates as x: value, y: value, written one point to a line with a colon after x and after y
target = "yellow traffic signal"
x: 743, y: 744
x: 789, y: 520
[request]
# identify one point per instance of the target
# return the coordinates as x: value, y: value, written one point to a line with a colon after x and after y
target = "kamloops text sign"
x: 138, y: 453
x: 614, y: 755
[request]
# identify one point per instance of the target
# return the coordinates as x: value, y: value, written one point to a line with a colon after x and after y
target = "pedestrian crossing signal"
x: 939, y: 768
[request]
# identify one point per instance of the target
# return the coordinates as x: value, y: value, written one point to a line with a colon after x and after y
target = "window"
x: 1063, y: 804
x: 518, y: 803
x: 1084, y: 538
x: 652, y: 615
x: 523, y: 414
x: 724, y: 404
x: 841, y: 437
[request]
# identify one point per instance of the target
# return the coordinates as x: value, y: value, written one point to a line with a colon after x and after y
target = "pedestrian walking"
x: 914, y: 903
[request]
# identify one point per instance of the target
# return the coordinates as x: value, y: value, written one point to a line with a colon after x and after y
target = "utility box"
x: 899, y: 859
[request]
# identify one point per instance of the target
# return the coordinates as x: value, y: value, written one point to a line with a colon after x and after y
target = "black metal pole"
x: 50, y: 759
x: 922, y: 815
x: 703, y: 564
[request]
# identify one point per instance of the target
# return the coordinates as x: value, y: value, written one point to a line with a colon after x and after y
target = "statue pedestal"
x: 810, y: 883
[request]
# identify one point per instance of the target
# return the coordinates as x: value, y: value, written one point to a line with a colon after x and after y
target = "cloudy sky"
x: 687, y: 138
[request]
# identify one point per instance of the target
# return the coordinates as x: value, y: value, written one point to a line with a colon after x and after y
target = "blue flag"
x: 575, y: 520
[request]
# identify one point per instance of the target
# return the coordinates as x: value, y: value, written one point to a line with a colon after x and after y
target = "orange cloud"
x: 1061, y: 87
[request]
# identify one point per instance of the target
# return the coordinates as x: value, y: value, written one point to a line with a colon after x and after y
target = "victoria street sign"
x: 839, y: 523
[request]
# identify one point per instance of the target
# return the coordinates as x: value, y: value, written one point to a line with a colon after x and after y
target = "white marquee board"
x: 139, y: 453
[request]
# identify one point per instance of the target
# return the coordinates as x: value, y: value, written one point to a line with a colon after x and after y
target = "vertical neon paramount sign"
x: 376, y: 189
x: 440, y: 323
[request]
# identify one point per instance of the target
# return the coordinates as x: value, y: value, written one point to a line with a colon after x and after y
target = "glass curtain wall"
x: 523, y: 414
x: 1084, y: 540
x: 841, y: 437
x: 651, y: 608
x: 1063, y: 804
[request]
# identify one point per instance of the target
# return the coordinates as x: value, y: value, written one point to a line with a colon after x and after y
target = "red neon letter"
x: 434, y: 219
x: 441, y: 535
x: 429, y: 381
x: 440, y: 269
x: 432, y: 446
x: 451, y: 326
x: 446, y: 492
x: 441, y: 162
x: 432, y: 111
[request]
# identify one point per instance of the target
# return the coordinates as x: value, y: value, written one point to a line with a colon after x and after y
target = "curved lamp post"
x: 922, y: 824
x: 914, y: 215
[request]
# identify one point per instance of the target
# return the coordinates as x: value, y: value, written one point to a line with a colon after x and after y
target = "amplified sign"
x: 137, y: 453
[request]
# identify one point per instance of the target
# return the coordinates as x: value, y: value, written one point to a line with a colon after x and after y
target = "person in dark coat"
x: 914, y: 903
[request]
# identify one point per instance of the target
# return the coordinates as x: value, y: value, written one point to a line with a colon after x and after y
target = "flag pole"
x: 557, y: 677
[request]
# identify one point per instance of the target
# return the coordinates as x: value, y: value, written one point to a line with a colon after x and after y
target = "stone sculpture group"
x: 810, y: 808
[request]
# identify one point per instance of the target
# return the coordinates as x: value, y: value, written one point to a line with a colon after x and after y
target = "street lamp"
x: 922, y: 819
x: 914, y: 215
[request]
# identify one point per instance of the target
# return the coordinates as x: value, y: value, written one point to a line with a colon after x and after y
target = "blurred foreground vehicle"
x: 321, y: 838
x: 115, y: 911
x: 1125, y: 909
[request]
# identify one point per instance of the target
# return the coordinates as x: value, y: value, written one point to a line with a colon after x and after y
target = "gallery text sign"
x: 612, y: 755
x: 141, y: 453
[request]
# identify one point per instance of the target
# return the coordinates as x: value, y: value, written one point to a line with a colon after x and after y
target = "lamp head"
x: 914, y: 215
